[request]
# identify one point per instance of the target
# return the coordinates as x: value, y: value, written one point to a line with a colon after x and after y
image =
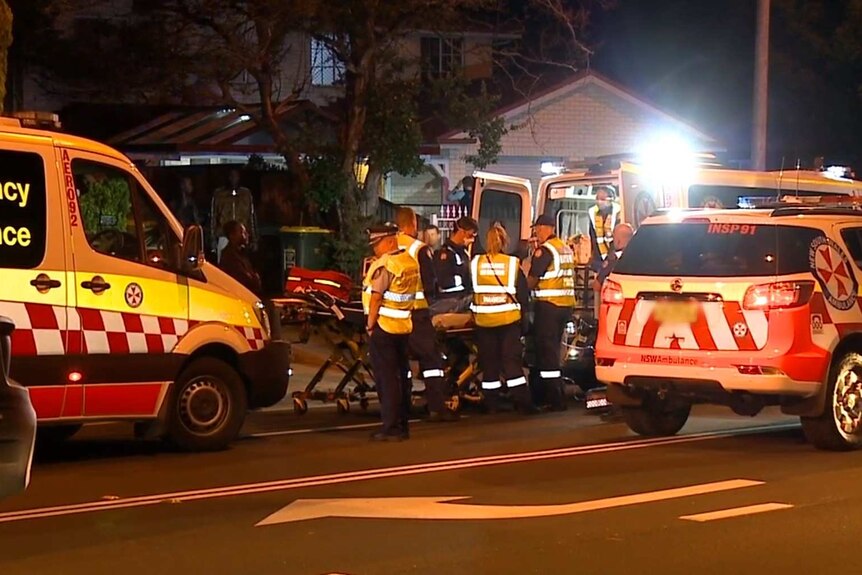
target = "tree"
x: 5, y: 43
x: 155, y: 55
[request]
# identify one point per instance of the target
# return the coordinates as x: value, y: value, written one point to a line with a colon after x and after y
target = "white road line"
x: 368, y: 474
x: 736, y: 512
x: 319, y: 429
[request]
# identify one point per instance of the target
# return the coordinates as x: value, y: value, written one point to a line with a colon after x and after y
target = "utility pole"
x: 761, y: 87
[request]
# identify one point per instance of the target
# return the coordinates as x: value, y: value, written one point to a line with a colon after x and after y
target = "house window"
x: 441, y: 56
x: 326, y: 68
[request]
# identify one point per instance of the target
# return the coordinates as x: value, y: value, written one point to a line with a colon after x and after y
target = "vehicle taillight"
x: 612, y: 293
x: 780, y: 295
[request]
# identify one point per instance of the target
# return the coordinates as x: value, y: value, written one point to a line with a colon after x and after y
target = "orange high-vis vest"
x: 557, y: 285
x: 494, y: 292
x: 398, y: 301
x: 412, y: 246
x: 604, y: 228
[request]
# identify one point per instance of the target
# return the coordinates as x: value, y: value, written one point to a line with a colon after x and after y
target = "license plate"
x: 675, y: 312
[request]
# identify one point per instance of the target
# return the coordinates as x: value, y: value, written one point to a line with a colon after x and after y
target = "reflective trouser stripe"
x: 491, y: 385
x: 433, y: 373
x: 550, y: 374
x: 518, y: 381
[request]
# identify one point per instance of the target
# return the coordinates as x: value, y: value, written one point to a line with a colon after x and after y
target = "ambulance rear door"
x: 504, y: 199
x: 130, y: 295
x: 33, y: 268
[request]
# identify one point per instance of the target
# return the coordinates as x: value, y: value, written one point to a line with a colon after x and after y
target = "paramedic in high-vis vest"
x: 604, y: 217
x: 388, y: 296
x: 423, y: 339
x: 500, y: 295
x: 552, y: 281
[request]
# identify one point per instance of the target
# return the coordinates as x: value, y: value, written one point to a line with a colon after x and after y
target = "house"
x: 580, y: 116
x: 583, y: 116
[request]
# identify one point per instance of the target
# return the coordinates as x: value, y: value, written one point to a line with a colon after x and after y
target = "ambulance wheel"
x: 839, y: 427
x: 342, y: 406
x: 207, y: 406
x: 55, y: 434
x: 654, y: 419
x: 300, y: 406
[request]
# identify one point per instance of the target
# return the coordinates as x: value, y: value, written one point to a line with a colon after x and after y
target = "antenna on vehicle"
x: 780, y: 178
x: 798, y: 167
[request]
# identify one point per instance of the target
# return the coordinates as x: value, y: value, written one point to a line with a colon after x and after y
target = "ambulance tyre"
x: 839, y: 427
x: 207, y: 406
x: 654, y: 419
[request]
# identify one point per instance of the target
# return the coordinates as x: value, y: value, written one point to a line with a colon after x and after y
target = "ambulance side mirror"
x: 193, y: 248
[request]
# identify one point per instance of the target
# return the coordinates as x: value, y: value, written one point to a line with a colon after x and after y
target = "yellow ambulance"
x: 117, y: 315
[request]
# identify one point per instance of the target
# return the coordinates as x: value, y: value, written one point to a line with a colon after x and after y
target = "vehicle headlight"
x: 263, y: 318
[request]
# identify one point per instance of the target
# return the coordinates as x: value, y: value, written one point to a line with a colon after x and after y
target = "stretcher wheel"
x: 363, y: 404
x: 342, y: 405
x: 300, y: 406
x: 454, y: 403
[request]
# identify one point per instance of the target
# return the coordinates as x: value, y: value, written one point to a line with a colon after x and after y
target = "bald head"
x: 622, y: 236
x: 405, y: 219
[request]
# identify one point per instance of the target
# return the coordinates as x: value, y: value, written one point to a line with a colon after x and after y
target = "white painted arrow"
x: 437, y: 508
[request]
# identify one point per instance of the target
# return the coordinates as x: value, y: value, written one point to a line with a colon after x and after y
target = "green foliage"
x: 328, y: 185
x: 106, y: 201
x: 392, y: 132
x: 471, y: 110
x: 350, y: 247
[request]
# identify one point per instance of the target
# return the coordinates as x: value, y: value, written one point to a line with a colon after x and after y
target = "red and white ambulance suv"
x: 744, y: 308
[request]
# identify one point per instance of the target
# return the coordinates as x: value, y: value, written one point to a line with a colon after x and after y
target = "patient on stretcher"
x: 447, y: 321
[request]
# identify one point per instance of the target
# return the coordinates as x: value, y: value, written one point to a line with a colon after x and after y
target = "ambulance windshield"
x: 717, y: 250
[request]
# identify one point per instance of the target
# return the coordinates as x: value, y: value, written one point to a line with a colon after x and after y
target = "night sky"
x: 696, y: 59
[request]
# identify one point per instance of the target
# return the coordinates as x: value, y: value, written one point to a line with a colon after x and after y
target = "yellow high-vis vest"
x: 495, y: 300
x: 412, y: 247
x: 399, y: 299
x: 557, y: 285
x: 604, y: 228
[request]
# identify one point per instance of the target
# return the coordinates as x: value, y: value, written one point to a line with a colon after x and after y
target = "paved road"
x: 557, y: 493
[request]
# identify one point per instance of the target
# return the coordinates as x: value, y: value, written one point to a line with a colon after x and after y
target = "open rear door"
x: 506, y: 199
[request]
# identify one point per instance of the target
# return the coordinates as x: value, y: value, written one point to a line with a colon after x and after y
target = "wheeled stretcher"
x: 342, y: 326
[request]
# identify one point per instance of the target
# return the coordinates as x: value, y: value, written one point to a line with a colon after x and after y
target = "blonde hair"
x: 497, y: 240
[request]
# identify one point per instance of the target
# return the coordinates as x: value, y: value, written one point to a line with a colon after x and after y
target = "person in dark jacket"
x: 234, y: 259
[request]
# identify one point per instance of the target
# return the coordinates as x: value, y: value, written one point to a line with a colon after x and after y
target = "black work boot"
x: 491, y: 400
x: 556, y: 397
x: 523, y: 400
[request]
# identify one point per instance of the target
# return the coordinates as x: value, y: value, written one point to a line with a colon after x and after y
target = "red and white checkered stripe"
x: 254, y: 336
x: 49, y: 330
x: 720, y: 326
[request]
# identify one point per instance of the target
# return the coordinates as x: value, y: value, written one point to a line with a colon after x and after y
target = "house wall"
x: 587, y: 121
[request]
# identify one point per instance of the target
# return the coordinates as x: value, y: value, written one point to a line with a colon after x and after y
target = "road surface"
x: 555, y: 493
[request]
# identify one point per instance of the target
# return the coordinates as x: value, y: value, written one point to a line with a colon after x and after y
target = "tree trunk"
x: 5, y: 43
x: 372, y: 190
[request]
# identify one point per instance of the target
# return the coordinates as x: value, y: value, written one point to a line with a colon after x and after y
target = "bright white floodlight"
x: 668, y: 160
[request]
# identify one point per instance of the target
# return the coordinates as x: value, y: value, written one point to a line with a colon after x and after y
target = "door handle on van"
x: 97, y: 285
x: 43, y: 283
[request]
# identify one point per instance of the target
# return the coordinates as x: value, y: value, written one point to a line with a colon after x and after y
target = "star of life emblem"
x: 832, y: 269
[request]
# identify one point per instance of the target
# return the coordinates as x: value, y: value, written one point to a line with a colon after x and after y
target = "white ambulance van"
x: 117, y: 315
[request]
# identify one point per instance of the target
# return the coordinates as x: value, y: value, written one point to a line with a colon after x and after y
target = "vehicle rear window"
x: 717, y: 250
x: 23, y: 210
